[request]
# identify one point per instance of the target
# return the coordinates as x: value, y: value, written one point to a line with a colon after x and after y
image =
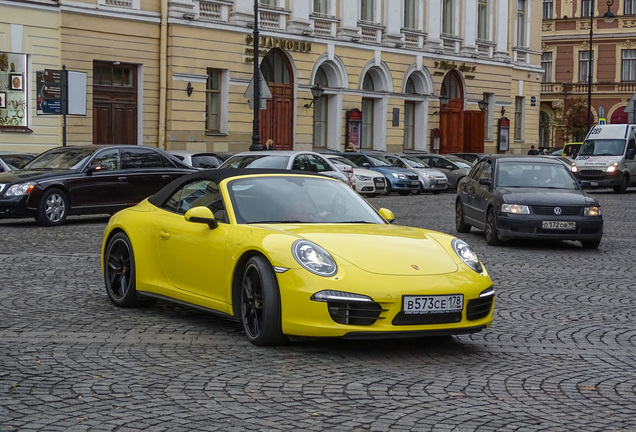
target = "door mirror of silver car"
x: 201, y: 214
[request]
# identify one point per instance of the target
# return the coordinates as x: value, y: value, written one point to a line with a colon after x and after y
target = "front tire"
x: 622, y: 188
x: 460, y: 225
x: 590, y: 244
x: 260, y: 303
x: 492, y: 236
x: 53, y: 208
x: 119, y: 271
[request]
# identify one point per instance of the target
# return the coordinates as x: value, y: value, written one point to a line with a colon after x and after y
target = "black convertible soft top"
x: 216, y: 175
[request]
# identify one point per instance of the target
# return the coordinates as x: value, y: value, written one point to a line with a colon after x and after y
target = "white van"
x: 606, y: 158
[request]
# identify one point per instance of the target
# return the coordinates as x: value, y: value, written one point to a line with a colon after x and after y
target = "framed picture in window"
x: 3, y: 100
x: 15, y: 81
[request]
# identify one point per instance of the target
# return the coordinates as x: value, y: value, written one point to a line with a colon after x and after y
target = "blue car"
x: 400, y: 180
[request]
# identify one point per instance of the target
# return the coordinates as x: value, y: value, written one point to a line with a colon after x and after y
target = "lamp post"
x: 256, y: 133
x: 608, y: 17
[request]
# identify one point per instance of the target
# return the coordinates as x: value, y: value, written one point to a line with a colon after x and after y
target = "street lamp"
x: 256, y: 134
x: 608, y: 17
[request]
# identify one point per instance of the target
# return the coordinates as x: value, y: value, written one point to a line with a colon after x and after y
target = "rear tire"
x: 460, y: 225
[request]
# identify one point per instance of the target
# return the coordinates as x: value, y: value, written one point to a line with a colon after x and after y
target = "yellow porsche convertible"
x: 293, y: 255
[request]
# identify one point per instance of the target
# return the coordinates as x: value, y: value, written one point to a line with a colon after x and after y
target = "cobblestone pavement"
x: 560, y: 355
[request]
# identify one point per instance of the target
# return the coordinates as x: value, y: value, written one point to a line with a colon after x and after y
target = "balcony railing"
x: 324, y: 25
x: 371, y: 32
x: 451, y: 43
x: 581, y: 88
x: 413, y: 38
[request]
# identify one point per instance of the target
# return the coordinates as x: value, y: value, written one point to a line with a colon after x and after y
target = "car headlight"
x: 314, y: 258
x: 467, y: 255
x: 612, y: 168
x: 515, y: 208
x: 19, y: 189
x: 363, y: 177
x: 575, y: 168
x: 592, y: 211
x: 399, y: 176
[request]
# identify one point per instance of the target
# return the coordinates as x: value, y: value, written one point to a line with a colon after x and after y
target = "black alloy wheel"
x: 52, y: 208
x: 260, y: 303
x: 460, y: 225
x: 492, y: 236
x: 119, y: 271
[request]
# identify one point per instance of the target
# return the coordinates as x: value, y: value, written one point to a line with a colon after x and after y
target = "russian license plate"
x: 441, y: 181
x: 432, y: 304
x: 558, y: 225
x: 415, y: 183
x: 594, y: 184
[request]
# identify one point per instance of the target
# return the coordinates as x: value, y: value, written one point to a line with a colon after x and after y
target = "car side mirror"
x: 586, y: 184
x: 450, y: 167
x: 203, y: 215
x: 485, y: 181
x: 366, y: 165
x: 630, y: 154
x: 93, y: 168
x: 387, y: 214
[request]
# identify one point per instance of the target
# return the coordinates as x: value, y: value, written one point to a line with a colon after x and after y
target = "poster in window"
x: 15, y: 81
x: 3, y: 100
x: 354, y: 128
x: 504, y: 134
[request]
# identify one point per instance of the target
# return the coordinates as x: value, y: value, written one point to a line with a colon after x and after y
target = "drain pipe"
x: 163, y: 72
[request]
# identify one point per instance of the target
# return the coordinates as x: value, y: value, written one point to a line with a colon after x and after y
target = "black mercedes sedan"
x: 91, y: 179
x: 527, y: 197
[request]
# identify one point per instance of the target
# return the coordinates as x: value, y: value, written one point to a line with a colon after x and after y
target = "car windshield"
x: 343, y: 161
x: 414, y: 163
x: 295, y: 199
x: 61, y: 158
x: 603, y: 147
x: 549, y: 176
x: 205, y: 161
x: 256, y: 161
x: 462, y: 163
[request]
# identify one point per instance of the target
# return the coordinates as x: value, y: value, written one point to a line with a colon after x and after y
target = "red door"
x: 277, y: 121
x: 473, y: 132
x: 452, y: 127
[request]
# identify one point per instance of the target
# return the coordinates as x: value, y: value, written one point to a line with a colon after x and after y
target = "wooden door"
x: 473, y: 132
x: 277, y: 121
x: 452, y: 127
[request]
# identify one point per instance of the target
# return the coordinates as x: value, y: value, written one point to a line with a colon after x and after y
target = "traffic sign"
x: 265, y: 91
x: 602, y: 121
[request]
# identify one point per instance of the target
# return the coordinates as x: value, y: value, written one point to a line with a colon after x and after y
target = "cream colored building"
x: 175, y: 74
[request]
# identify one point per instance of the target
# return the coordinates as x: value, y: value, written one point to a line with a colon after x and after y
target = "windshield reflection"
x: 602, y: 147
x: 64, y: 158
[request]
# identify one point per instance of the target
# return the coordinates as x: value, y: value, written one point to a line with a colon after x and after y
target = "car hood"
x: 32, y: 175
x: 388, y: 170
x: 367, y: 172
x: 596, y: 161
x: 381, y: 249
x: 545, y: 196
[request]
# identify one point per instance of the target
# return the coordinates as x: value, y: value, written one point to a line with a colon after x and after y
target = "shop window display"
x: 13, y: 90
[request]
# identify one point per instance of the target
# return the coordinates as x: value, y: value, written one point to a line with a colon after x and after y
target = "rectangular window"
x: 522, y: 16
x: 548, y: 8
x: 213, y: 101
x: 368, y: 111
x: 630, y: 7
x: 367, y: 10
x: 410, y: 14
x: 519, y: 118
x: 271, y: 3
x: 586, y: 8
x: 482, y: 20
x: 447, y: 17
x: 628, y: 65
x: 15, y: 91
x: 409, y: 125
x: 546, y: 64
x: 320, y: 122
x: 321, y: 7
x: 584, y: 65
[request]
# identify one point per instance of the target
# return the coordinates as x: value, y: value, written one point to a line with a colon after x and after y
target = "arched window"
x: 275, y: 68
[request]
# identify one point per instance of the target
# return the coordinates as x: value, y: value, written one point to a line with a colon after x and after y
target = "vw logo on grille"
x: 558, y: 210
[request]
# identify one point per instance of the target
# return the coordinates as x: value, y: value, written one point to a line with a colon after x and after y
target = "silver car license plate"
x: 558, y: 225
x: 432, y: 304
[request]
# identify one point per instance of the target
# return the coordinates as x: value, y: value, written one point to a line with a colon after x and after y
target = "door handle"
x: 164, y: 235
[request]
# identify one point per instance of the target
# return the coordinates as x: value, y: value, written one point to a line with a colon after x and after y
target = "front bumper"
x: 600, y: 178
x: 303, y: 317
x: 529, y: 227
x: 15, y: 207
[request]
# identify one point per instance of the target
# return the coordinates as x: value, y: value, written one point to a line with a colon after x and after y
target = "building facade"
x: 568, y: 28
x: 392, y: 75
